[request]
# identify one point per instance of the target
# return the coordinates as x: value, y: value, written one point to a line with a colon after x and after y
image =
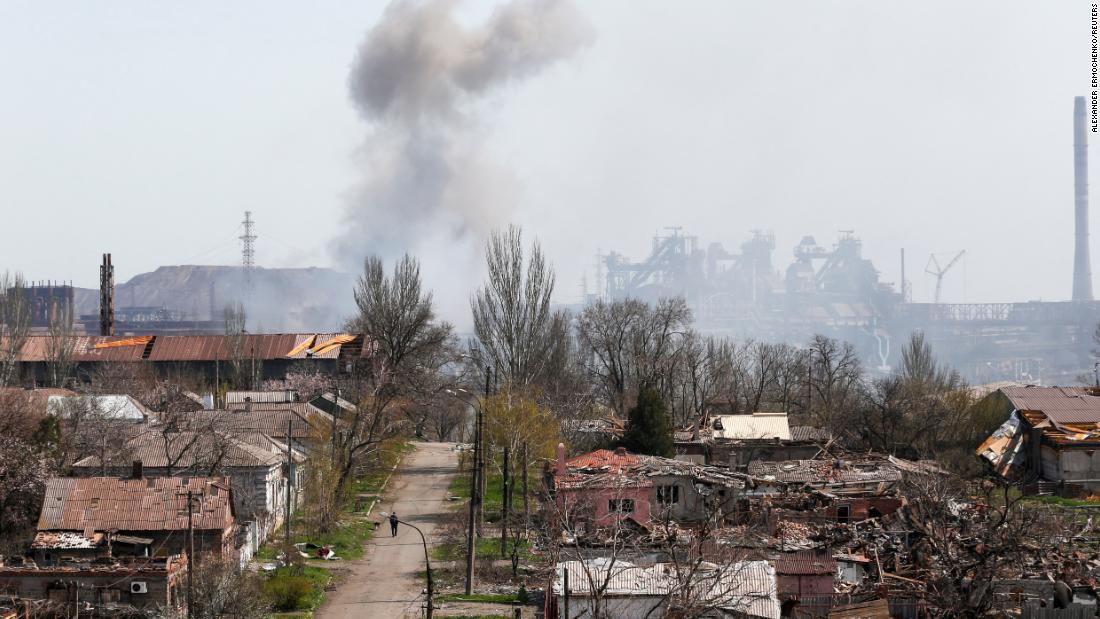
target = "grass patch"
x: 487, y: 548
x: 1063, y: 502
x: 493, y: 501
x: 296, y: 589
x: 348, y: 539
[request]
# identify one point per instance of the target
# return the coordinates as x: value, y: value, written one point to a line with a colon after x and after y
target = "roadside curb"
x: 386, y: 482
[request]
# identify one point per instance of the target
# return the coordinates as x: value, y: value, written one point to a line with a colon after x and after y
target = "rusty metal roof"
x: 105, y: 503
x: 1060, y: 404
x: 215, y: 347
x: 266, y: 346
x: 805, y: 566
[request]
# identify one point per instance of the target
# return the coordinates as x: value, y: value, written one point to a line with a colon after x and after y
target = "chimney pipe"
x: 562, y: 468
x: 106, y: 296
x: 1082, y: 265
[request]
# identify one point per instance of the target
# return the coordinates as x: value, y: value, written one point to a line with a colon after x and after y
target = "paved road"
x: 388, y: 581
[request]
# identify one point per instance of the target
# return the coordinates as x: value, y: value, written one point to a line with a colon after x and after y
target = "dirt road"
x: 388, y: 581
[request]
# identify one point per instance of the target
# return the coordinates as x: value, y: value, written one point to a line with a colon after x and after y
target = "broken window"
x: 843, y: 513
x: 621, y: 506
x: 668, y: 495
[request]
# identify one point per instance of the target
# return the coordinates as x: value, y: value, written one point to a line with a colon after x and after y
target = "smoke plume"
x: 418, y: 79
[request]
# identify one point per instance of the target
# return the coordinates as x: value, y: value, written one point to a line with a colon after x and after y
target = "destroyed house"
x: 1051, y: 434
x: 737, y: 440
x: 603, y: 486
x: 836, y: 489
x: 806, y: 579
x: 105, y: 516
x: 104, y: 587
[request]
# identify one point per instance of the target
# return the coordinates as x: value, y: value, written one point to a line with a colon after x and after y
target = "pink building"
x: 602, y: 486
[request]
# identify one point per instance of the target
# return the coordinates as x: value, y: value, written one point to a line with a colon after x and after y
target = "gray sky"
x: 146, y: 129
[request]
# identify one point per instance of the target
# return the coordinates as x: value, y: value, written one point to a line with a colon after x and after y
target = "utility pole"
x: 190, y: 555
x: 475, y: 492
x: 526, y: 507
x: 289, y: 486
x: 565, y: 588
x: 504, y: 509
x: 482, y: 478
x: 427, y: 566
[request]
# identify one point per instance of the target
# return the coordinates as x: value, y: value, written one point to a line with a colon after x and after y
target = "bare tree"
x: 398, y: 319
x: 235, y: 335
x: 22, y: 487
x: 15, y: 324
x: 222, y: 590
x: 628, y: 344
x: 61, y: 343
x: 512, y: 317
x: 835, y: 377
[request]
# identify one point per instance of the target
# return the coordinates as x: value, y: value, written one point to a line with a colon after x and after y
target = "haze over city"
x: 146, y: 131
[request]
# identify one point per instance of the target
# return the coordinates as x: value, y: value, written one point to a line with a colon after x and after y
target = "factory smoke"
x: 418, y: 79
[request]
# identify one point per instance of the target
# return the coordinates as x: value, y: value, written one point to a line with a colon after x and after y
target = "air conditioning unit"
x: 138, y: 586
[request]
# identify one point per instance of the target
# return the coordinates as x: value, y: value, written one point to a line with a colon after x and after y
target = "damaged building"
x: 1051, y: 434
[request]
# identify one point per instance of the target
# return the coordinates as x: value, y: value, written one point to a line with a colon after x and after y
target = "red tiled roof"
x: 105, y: 503
x: 605, y: 458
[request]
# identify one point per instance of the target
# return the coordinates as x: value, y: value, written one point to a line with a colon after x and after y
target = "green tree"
x: 647, y: 429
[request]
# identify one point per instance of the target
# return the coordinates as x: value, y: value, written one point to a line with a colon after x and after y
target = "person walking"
x: 393, y: 524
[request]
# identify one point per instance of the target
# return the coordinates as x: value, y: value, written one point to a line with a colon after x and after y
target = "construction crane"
x: 933, y: 267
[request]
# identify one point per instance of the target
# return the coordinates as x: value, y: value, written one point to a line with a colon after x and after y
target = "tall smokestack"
x: 106, y: 296
x: 1082, y: 265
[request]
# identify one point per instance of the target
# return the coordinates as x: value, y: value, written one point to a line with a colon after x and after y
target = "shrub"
x: 289, y: 592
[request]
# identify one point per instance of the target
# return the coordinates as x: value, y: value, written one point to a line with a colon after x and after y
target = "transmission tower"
x: 248, y: 246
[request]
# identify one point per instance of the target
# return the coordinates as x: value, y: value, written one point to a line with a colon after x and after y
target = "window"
x: 668, y: 495
x: 843, y: 513
x: 622, y: 506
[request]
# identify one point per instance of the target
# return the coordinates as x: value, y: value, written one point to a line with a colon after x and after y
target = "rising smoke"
x: 418, y: 79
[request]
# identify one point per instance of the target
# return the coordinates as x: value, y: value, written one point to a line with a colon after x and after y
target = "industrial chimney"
x: 106, y: 296
x: 1082, y: 265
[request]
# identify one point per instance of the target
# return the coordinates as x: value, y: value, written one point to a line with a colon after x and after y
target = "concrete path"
x: 389, y: 580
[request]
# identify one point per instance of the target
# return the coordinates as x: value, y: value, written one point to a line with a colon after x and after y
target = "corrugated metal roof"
x: 283, y: 395
x: 805, y: 566
x: 215, y: 347
x: 182, y: 450
x: 1060, y: 404
x: 745, y: 587
x: 117, y: 407
x: 273, y: 423
x: 264, y: 346
x: 809, y: 434
x: 760, y: 426
x: 302, y: 408
x: 104, y: 503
